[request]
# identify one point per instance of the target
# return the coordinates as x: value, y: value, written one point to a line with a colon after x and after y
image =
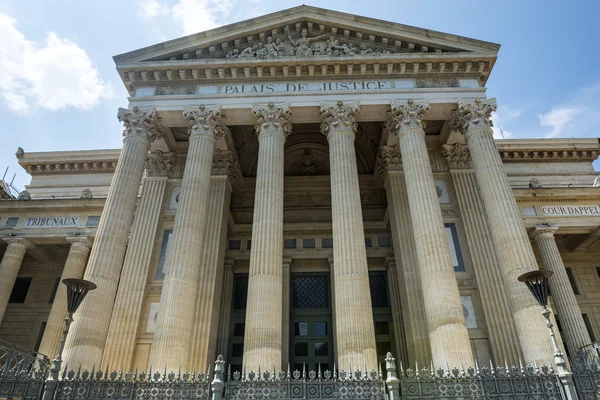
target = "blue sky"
x: 59, y: 89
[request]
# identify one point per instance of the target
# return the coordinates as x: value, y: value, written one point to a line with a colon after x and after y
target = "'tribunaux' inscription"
x: 43, y: 222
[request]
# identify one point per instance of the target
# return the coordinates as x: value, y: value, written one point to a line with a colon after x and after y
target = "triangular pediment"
x: 314, y: 32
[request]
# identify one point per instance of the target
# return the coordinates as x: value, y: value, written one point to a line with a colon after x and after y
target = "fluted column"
x: 494, y: 298
x: 87, y: 336
x: 443, y: 307
x: 285, y: 344
x: 355, y: 334
x: 513, y: 248
x: 9, y: 268
x: 263, y: 335
x: 418, y: 348
x: 396, y: 306
x: 74, y: 268
x: 574, y: 330
x: 172, y: 344
x: 226, y: 300
x: 210, y: 279
x: 120, y: 344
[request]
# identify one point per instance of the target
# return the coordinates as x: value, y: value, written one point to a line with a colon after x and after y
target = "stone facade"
x: 309, y: 188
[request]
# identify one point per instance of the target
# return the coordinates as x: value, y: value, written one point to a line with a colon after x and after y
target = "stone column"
x: 396, y: 306
x: 448, y: 333
x: 74, y: 268
x: 210, y: 278
x: 87, y: 337
x: 496, y: 304
x: 120, y: 344
x: 574, y: 330
x: 355, y: 333
x: 285, y: 344
x: 226, y: 300
x: 172, y: 344
x: 332, y: 299
x: 9, y: 268
x: 262, y: 342
x: 418, y: 347
x: 513, y: 248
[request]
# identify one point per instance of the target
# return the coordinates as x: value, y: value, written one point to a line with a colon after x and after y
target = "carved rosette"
x: 407, y: 116
x: 159, y: 164
x: 272, y: 119
x: 339, y: 117
x: 473, y: 115
x: 389, y: 159
x: 205, y: 121
x: 543, y: 231
x: 457, y: 156
x: 224, y: 164
x: 139, y: 123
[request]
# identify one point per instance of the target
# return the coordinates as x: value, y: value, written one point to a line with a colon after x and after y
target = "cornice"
x: 70, y: 161
x: 549, y: 155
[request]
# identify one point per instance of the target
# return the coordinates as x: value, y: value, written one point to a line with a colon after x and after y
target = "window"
x: 249, y: 244
x: 19, y: 291
x: 384, y: 241
x: 93, y: 220
x: 588, y: 326
x: 235, y: 244
x: 240, y: 292
x: 572, y: 280
x: 160, y: 269
x: 310, y: 291
x: 308, y: 243
x: 368, y: 242
x: 378, y: 286
x: 327, y: 243
x: 454, y: 245
x: 239, y: 329
x: 11, y: 222
x: 289, y: 243
x: 54, y: 289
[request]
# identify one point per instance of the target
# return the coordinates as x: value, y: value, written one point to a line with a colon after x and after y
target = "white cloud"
x: 54, y: 75
x: 558, y: 118
x: 499, y: 118
x: 151, y: 8
x: 200, y: 15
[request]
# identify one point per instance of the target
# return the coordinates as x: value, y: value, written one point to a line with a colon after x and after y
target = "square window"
x: 235, y: 244
x: 11, y: 222
x: 308, y: 243
x: 237, y: 350
x: 93, y: 220
x: 289, y: 243
x: 301, y: 328
x: 327, y: 243
x: 368, y: 242
x: 301, y: 349
x: 320, y: 328
x: 321, y: 349
x: 384, y: 241
x: 19, y: 291
x: 239, y: 329
x: 382, y: 328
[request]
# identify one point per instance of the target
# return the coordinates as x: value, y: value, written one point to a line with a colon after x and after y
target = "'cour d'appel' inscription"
x: 297, y: 87
x: 571, y: 210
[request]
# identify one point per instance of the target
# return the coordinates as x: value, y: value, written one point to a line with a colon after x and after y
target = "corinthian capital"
x: 272, y: 118
x: 338, y: 117
x: 140, y: 123
x: 457, y: 155
x: 471, y: 115
x: 542, y: 231
x: 205, y: 121
x: 224, y: 164
x: 389, y: 159
x: 159, y: 163
x: 409, y: 115
x: 19, y: 242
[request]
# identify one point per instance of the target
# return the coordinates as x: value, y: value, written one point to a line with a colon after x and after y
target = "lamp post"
x: 537, y: 283
x: 77, y: 289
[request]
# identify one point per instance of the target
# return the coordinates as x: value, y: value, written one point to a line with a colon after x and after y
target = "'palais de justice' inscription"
x: 306, y: 87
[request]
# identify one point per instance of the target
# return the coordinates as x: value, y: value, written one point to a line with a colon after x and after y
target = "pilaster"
x: 510, y: 239
x: 448, y: 333
x: 87, y: 337
x: 355, y: 334
x: 120, y: 343
x: 264, y: 330
x: 173, y: 336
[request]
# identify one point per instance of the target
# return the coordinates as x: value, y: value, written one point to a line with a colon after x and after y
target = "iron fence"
x: 22, y: 372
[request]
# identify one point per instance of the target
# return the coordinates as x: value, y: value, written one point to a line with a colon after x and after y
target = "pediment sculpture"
x: 302, y: 46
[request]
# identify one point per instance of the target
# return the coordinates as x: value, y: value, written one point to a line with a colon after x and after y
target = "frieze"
x: 308, y: 199
x: 437, y: 83
x: 174, y: 90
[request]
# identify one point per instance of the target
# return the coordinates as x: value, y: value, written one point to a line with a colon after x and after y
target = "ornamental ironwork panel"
x: 312, y: 385
x: 586, y: 375
x: 497, y: 383
x: 22, y: 372
x: 98, y: 385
